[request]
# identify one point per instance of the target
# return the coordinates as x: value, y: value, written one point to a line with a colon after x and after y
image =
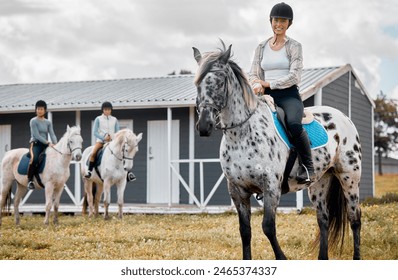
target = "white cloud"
x: 45, y: 41
x: 394, y: 93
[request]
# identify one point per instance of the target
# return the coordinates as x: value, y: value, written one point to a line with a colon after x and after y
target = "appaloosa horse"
x: 253, y: 156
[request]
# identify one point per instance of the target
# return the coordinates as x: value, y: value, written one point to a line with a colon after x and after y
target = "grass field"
x: 181, y: 237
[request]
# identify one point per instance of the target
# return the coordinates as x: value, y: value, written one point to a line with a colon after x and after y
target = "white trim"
x: 349, y: 93
x: 191, y: 149
x: 169, y: 128
x: 318, y: 97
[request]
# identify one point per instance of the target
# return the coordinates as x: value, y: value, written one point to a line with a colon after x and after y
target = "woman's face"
x: 40, y: 111
x: 279, y: 25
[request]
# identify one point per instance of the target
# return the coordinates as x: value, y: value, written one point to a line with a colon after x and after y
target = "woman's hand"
x: 258, y: 89
x: 264, y: 84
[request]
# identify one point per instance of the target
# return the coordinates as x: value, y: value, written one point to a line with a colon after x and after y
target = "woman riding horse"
x: 276, y: 70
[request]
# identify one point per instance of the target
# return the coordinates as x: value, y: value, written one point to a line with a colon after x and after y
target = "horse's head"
x: 129, y: 145
x: 75, y: 142
x: 212, y: 86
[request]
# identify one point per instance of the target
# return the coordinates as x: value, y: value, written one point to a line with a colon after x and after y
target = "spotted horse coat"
x: 253, y: 157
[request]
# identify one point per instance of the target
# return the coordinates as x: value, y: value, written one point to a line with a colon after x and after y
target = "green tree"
x: 386, y: 127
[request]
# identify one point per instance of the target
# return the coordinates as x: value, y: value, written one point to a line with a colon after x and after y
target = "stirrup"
x: 131, y: 177
x: 302, y: 180
x: 88, y: 174
x: 31, y: 185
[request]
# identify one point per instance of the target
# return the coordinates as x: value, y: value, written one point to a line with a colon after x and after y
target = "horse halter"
x: 219, y: 110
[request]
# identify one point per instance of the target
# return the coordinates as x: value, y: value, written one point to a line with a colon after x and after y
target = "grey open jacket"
x: 294, y: 53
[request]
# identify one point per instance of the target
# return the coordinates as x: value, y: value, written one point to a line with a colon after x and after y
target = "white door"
x: 158, y: 162
x: 5, y: 139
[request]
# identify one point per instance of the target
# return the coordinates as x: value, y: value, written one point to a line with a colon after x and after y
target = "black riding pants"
x: 36, y: 148
x: 290, y: 101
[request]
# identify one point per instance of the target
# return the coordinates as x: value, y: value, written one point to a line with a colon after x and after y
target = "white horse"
x: 54, y: 176
x: 117, y: 160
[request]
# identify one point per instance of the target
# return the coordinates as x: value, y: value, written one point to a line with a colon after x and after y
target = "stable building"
x: 176, y: 169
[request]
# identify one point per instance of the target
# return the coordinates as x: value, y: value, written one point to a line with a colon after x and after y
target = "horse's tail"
x: 338, y: 221
x: 7, y: 205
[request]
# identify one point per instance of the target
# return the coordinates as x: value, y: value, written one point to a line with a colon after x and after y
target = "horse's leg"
x: 350, y: 185
x: 241, y: 200
x: 120, y: 198
x: 88, y: 188
x: 107, y: 198
x: 317, y: 194
x: 5, y: 193
x: 49, y: 192
x: 97, y: 197
x: 57, y: 197
x: 271, y: 202
x: 19, y: 194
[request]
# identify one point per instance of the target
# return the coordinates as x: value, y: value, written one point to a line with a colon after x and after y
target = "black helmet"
x: 282, y: 10
x: 106, y: 104
x: 42, y: 104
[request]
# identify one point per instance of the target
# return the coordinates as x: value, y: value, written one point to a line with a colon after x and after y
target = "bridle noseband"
x: 123, y: 155
x: 218, y: 110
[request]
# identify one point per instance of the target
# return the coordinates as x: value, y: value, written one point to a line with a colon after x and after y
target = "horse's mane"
x: 206, y: 64
x: 125, y: 132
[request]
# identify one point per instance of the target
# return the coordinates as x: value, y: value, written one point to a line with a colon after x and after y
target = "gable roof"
x: 156, y: 92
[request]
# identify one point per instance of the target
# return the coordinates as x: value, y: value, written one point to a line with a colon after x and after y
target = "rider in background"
x: 276, y: 70
x: 40, y: 128
x: 105, y: 127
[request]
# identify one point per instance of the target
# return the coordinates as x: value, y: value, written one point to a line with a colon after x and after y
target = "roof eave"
x: 314, y: 88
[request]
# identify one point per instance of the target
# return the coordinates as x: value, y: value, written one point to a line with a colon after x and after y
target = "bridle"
x: 123, y: 157
x: 70, y: 150
x: 218, y: 110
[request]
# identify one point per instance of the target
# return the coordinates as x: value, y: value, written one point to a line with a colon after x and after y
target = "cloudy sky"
x: 69, y: 40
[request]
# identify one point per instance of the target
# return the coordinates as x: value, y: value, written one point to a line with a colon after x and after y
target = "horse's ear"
x: 67, y: 128
x: 139, y: 137
x: 197, y: 55
x: 226, y: 56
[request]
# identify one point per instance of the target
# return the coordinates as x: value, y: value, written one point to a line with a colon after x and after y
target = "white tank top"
x: 274, y: 63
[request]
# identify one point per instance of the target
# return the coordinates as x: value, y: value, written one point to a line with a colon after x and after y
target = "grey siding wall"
x: 207, y: 148
x: 335, y: 94
x: 361, y: 115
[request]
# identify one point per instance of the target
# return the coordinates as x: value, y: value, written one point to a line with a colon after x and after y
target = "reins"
x: 122, y: 152
x: 70, y: 149
x: 219, y: 110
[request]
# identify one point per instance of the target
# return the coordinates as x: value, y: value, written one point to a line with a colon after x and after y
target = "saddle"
x: 97, y: 161
x: 316, y: 133
x: 24, y: 165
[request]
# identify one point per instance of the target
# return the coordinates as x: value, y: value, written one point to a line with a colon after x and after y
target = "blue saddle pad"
x: 24, y: 163
x: 316, y: 133
x: 98, y: 158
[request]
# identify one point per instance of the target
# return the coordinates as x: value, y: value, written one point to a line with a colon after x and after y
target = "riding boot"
x: 90, y: 169
x: 31, y: 173
x: 305, y: 173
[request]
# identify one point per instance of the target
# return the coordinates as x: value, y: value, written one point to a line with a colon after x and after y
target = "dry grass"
x: 181, y: 237
x: 387, y: 183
